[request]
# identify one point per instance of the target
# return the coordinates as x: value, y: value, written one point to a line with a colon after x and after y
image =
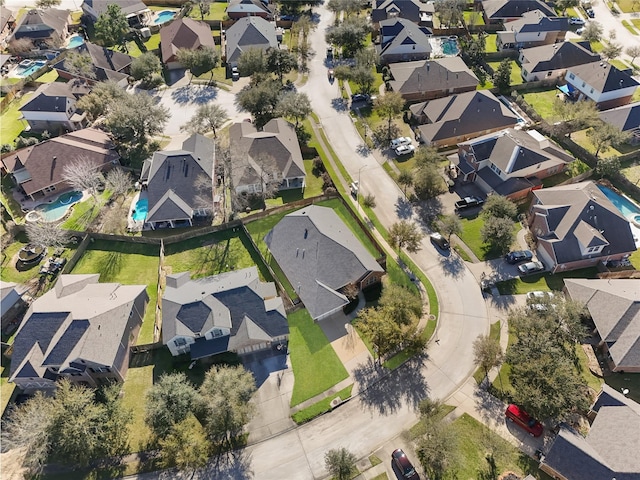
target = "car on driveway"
x: 404, y: 150
x: 396, y: 142
x: 580, y: 31
x: 540, y: 301
x: 359, y: 97
x: 590, y: 12
x: 519, y: 256
x: 530, y: 267
x: 402, y: 463
x: 469, y: 202
x: 440, y: 241
x: 524, y: 420
x: 576, y: 21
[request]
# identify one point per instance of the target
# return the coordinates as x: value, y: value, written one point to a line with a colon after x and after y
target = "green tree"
x: 405, y: 234
x: 379, y: 326
x: 101, y: 100
x: 226, y: 394
x: 500, y: 207
x: 487, y: 353
x: 574, y: 116
x: 204, y: 7
x: 260, y: 98
x: 280, y: 62
x: 498, y: 233
x: 347, y: 6
x: 592, y: 32
x: 113, y: 439
x: 363, y: 77
x: 502, y: 76
x: 604, y: 135
x: 349, y: 35
x: 170, y: 401
x: 611, y: 50
x: 437, y: 447
x: 79, y: 65
x: 294, y: 105
x: 143, y: 67
x: 137, y: 119
x: 401, y: 303
x: 634, y: 50
x: 427, y: 181
x: 252, y: 61
x: 563, y: 5
x: 608, y: 166
x: 199, y: 61
x: 44, y: 4
x: 450, y: 12
x: 450, y: 225
x: 340, y: 462
x: 208, y: 118
x: 406, y: 180
x: 389, y: 106
x: 474, y: 48
x: 112, y: 26
x: 342, y: 72
x: 186, y: 446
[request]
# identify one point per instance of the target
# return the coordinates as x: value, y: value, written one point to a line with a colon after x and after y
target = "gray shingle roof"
x: 107, y: 64
x: 557, y: 56
x: 602, y: 76
x: 184, y: 33
x: 431, y: 75
x: 249, y: 33
x: 626, y: 118
x: 41, y: 23
x: 126, y: 6
x: 52, y: 97
x: 497, y: 9
x: 319, y: 255
x: 403, y: 32
x: 537, y: 21
x: 409, y: 9
x: 248, y: 7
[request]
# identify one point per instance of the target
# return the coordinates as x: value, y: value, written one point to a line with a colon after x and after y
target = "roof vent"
x: 601, y: 64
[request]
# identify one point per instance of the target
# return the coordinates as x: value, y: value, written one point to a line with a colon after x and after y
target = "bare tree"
x: 83, y: 173
x: 21, y: 45
x: 202, y: 185
x: 209, y: 117
x: 487, y: 353
x: 47, y: 234
x: 79, y: 65
x: 119, y: 182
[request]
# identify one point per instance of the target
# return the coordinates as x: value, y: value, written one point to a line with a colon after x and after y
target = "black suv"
x: 519, y: 256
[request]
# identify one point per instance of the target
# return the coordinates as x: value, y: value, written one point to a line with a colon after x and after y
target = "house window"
x: 217, y: 332
x: 495, y: 169
x: 549, y: 74
x: 178, y: 342
x: 572, y: 76
x: 592, y: 90
x: 594, y: 249
x: 525, y: 73
x: 583, y: 84
x: 100, y: 370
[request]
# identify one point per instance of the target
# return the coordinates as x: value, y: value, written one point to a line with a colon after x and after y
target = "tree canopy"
x: 405, y: 234
x: 208, y: 118
x: 349, y: 35
x: 340, y: 462
x: 112, y: 26
x: 168, y: 402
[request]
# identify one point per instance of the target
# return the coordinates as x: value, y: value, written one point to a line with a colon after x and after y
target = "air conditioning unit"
x: 145, y: 32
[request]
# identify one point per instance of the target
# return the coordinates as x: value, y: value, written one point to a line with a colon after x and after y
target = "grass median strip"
x: 321, y: 407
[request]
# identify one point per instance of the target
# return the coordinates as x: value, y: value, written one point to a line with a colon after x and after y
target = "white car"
x: 540, y: 300
x: 539, y: 295
x: 396, y: 142
x: 580, y: 31
x: 576, y: 21
x: 404, y: 150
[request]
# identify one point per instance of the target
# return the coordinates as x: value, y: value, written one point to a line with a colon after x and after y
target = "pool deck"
x: 28, y: 205
x: 135, y: 225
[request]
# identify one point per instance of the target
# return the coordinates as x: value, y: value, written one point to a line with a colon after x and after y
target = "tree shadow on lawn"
x: 110, y: 266
x: 386, y: 393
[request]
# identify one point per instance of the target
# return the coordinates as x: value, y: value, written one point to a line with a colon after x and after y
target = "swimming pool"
x: 140, y: 211
x: 33, y: 68
x: 75, y: 41
x: 164, y: 16
x: 450, y: 46
x: 626, y: 207
x: 51, y: 212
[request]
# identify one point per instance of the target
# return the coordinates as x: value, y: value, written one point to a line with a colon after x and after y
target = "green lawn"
x: 630, y: 381
x: 516, y: 78
x: 321, y: 407
x: 581, y: 139
x: 472, y: 237
x: 628, y: 6
x: 473, y: 18
x: 129, y: 264
x: 152, y: 43
x: 629, y: 27
x: 376, y: 83
x: 10, y: 125
x: 546, y: 281
x: 84, y: 213
x: 619, y: 64
x: 216, y: 11
x: 313, y: 188
x: 636, y: 22
x: 491, y: 46
x: 316, y: 367
x: 595, y: 383
x: 541, y: 101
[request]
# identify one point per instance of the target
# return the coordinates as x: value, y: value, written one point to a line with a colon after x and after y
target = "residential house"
x: 108, y: 65
x: 511, y: 162
x: 246, y: 34
x: 321, y: 258
x: 462, y: 116
x: 249, y: 8
x: 53, y: 107
x: 38, y: 169
x: 11, y: 302
x: 137, y: 13
x: 178, y: 184
x: 403, y: 41
x: 614, y: 306
x: 50, y: 26
x: 7, y: 24
x: 503, y: 11
x: 265, y: 159
x: 416, y: 11
x: 532, y: 30
x: 229, y: 312
x: 576, y: 226
x: 425, y: 80
x: 626, y: 118
x: 183, y: 34
x: 609, y: 450
x: 552, y: 61
x: 601, y: 82
x: 81, y: 330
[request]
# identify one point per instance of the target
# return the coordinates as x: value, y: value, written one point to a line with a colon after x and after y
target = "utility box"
x: 145, y: 32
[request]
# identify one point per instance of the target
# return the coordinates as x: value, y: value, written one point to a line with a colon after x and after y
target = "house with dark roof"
x: 403, y: 41
x: 178, y: 184
x: 459, y: 117
x: 614, y: 306
x: 7, y: 24
x: 38, y: 169
x: 11, y: 302
x: 260, y: 158
x: 81, y: 330
x: 601, y: 82
x: 53, y: 107
x: 576, y: 226
x: 503, y: 11
x: 510, y: 162
x: 183, y: 34
x: 428, y: 79
x: 249, y: 8
x: 420, y: 13
x: 229, y: 312
x: 321, y: 258
x: 108, y: 65
x: 552, y: 61
x: 626, y: 118
x: 137, y: 13
x: 533, y: 29
x: 49, y: 26
x: 608, y: 451
x: 248, y: 33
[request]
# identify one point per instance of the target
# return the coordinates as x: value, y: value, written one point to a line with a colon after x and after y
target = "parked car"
x: 403, y: 464
x: 576, y: 21
x: 539, y: 300
x: 580, y: 31
x: 468, y: 202
x: 439, y: 240
x: 359, y: 97
x: 519, y: 256
x: 591, y: 13
x: 530, y: 267
x: 404, y: 150
x: 524, y: 420
x: 235, y: 74
x: 396, y: 142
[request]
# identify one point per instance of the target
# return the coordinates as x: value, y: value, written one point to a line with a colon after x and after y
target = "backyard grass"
x: 84, y: 213
x: 545, y: 281
x: 216, y: 11
x: 473, y: 18
x: 472, y: 237
x: 313, y: 188
x: 8, y: 201
x: 321, y: 407
x: 595, y: 383
x: 490, y: 42
x: 494, y: 333
x: 516, y: 78
x: 541, y: 101
x: 129, y: 264
x: 10, y: 124
x: 48, y: 77
x: 630, y: 381
x: 628, y: 6
x: 583, y: 140
x: 152, y: 43
x: 316, y: 367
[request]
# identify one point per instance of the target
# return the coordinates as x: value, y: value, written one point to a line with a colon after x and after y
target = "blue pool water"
x: 164, y: 16
x: 75, y: 41
x: 25, y: 72
x: 140, y: 210
x: 450, y: 46
x: 624, y: 205
x: 55, y: 211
